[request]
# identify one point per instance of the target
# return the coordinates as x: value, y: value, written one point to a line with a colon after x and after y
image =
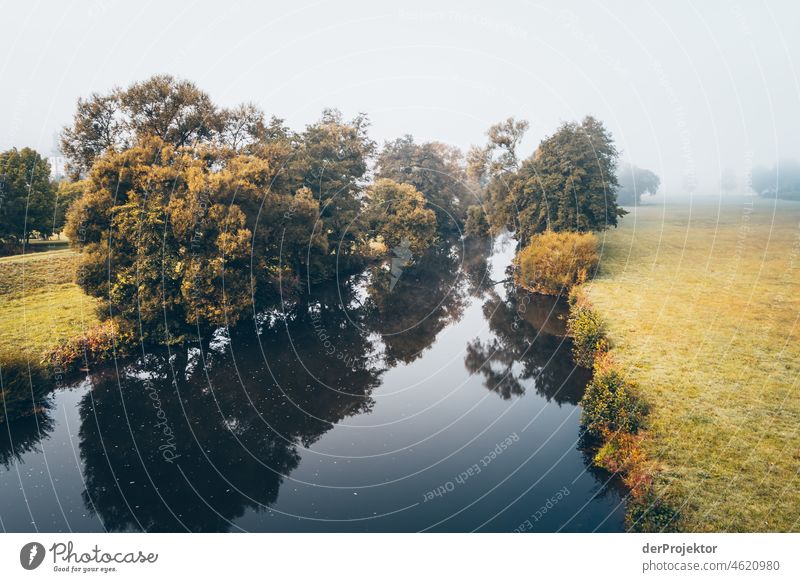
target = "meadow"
x: 40, y: 304
x: 701, y: 300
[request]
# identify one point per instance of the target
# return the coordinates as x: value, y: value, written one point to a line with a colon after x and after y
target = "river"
x: 434, y: 398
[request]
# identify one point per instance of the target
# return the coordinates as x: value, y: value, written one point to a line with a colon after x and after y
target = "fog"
x: 700, y: 94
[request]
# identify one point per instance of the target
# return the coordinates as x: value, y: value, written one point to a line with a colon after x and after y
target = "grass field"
x: 40, y: 304
x: 702, y: 304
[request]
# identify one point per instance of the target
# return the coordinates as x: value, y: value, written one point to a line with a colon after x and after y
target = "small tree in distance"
x: 635, y: 182
x: 27, y: 205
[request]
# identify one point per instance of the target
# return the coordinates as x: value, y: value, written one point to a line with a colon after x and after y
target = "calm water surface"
x: 442, y: 400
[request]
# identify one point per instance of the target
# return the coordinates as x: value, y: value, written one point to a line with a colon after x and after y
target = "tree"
x: 569, y: 183
x: 396, y: 216
x: 171, y: 109
x: 436, y: 170
x: 66, y: 194
x: 243, y: 126
x: 634, y: 182
x: 477, y: 225
x: 554, y: 262
x: 499, y: 155
x: 330, y: 159
x: 27, y: 195
x: 494, y: 166
x: 180, y: 238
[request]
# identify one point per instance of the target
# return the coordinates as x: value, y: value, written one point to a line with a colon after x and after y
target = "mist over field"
x: 702, y: 94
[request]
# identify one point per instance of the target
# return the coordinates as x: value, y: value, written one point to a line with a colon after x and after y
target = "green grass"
x: 702, y: 305
x: 39, y: 304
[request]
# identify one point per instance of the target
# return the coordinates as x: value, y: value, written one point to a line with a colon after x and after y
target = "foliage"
x: 499, y: 155
x: 609, y: 406
x: 585, y: 327
x: 98, y: 343
x: 554, y: 262
x: 494, y: 167
x: 397, y: 216
x: 173, y: 110
x: 649, y: 513
x: 436, y: 170
x: 67, y: 193
x: 27, y: 196
x: 569, y: 184
x: 162, y: 241
x: 477, y: 225
x: 330, y: 159
x: 634, y: 182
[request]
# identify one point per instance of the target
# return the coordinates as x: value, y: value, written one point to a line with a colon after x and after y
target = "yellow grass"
x: 702, y: 304
x: 39, y: 304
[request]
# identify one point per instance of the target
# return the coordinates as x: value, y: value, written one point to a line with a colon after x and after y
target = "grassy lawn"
x: 39, y: 303
x: 702, y: 305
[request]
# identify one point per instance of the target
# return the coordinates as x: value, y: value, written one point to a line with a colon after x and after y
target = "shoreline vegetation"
x: 614, y: 417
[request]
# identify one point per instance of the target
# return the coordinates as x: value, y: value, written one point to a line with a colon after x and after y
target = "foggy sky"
x: 689, y: 90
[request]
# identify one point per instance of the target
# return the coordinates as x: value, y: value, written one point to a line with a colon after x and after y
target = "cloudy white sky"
x: 687, y: 88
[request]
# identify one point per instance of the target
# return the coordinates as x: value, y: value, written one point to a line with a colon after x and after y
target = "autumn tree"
x: 330, y: 158
x: 436, y: 170
x: 396, y: 215
x: 174, y: 110
x: 477, y: 224
x: 176, y: 238
x: 499, y: 155
x: 66, y: 194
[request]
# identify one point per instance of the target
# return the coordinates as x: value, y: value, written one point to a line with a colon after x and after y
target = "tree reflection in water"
x: 25, y: 403
x: 529, y: 348
x: 240, y: 411
x: 421, y: 304
x: 192, y: 438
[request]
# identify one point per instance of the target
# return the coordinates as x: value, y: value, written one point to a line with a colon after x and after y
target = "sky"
x: 690, y: 90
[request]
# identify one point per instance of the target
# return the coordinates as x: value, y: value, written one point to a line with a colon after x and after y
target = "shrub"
x: 651, y: 513
x: 586, y: 329
x: 608, y: 404
x: 99, y: 343
x: 554, y: 262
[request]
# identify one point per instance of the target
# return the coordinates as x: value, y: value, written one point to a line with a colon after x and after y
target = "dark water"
x: 447, y: 402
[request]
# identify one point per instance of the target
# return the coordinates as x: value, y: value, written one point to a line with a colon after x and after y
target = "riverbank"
x: 700, y: 305
x: 40, y: 305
